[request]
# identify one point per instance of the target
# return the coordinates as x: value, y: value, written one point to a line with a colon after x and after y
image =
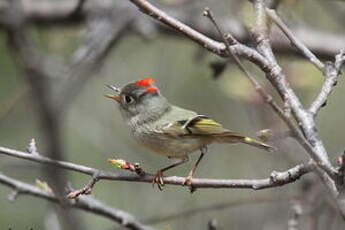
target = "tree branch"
x: 229, y: 40
x: 278, y: 79
x: 294, y: 40
x: 84, y: 203
x: 332, y: 72
x: 59, y: 12
x: 325, y: 170
x: 154, y: 12
x: 275, y: 179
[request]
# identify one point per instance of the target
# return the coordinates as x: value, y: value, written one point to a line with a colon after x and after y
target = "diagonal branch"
x: 152, y: 11
x: 85, y: 203
x: 332, y: 72
x: 325, y: 170
x: 229, y: 40
x: 278, y: 79
x: 294, y: 40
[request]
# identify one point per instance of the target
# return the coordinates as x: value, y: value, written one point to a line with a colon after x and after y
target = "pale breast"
x: 167, y: 145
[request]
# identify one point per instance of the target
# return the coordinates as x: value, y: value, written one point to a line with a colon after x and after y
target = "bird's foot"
x: 188, y: 180
x: 158, y: 180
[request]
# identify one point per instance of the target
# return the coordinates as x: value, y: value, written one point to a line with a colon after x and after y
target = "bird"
x: 169, y: 130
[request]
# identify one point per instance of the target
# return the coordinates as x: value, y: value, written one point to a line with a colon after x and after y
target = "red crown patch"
x: 144, y: 82
x: 151, y: 89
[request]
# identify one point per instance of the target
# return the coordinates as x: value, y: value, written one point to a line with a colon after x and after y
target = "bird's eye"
x: 128, y: 99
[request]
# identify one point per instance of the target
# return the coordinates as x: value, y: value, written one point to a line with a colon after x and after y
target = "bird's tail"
x: 234, y: 138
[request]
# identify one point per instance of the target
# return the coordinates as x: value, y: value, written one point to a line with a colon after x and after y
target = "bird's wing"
x: 195, y: 126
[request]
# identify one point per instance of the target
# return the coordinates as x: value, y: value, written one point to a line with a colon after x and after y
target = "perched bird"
x: 170, y: 130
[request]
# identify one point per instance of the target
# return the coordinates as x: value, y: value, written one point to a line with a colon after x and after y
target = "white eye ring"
x: 128, y: 99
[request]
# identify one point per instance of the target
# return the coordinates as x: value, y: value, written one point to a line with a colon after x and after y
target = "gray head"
x: 140, y: 100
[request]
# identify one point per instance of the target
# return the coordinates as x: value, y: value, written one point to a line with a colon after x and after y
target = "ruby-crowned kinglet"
x: 170, y: 130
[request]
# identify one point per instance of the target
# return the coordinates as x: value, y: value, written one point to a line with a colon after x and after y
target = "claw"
x: 187, y: 181
x: 158, y: 180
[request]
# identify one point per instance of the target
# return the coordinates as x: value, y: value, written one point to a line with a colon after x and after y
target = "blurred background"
x: 92, y: 129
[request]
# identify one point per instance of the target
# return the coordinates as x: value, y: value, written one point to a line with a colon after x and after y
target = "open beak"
x: 114, y: 97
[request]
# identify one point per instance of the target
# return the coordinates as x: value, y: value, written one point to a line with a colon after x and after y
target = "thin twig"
x: 206, y: 42
x: 329, y: 69
x: 294, y: 40
x: 332, y: 72
x: 86, y: 190
x: 147, y: 8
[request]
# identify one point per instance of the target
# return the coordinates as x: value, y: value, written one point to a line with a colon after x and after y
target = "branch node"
x: 330, y: 69
x: 87, y: 189
x: 230, y: 39
x: 32, y: 147
x: 274, y: 177
x: 207, y: 12
x: 132, y: 167
x: 138, y: 170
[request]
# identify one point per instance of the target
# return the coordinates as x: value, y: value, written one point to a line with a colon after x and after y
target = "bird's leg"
x: 188, y: 179
x: 158, y: 178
